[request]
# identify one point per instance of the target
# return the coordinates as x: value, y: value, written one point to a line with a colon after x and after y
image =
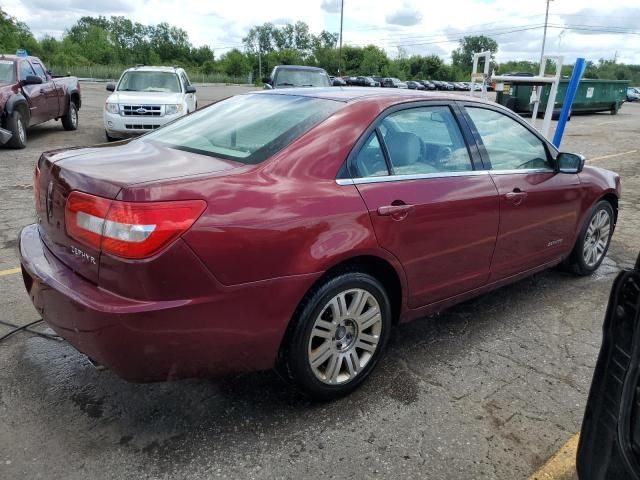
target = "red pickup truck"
x: 29, y: 94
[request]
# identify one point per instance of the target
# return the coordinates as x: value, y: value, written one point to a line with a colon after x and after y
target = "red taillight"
x: 128, y: 229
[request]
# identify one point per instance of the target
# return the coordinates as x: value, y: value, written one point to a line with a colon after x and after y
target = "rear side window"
x: 370, y: 161
x: 246, y: 128
x: 425, y: 140
x: 25, y: 70
x: 510, y: 145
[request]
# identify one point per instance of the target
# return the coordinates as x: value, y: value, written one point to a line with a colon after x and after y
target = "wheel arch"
x: 612, y: 198
x: 74, y: 96
x: 18, y: 103
x: 378, y: 267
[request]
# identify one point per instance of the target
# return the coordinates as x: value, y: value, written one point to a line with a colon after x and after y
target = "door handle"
x: 398, y: 212
x: 516, y: 197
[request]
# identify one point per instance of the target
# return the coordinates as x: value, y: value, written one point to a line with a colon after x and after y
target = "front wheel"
x: 593, y: 241
x: 16, y: 125
x: 338, y: 335
x: 70, y: 120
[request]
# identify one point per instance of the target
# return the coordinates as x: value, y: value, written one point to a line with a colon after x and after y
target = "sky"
x: 592, y: 29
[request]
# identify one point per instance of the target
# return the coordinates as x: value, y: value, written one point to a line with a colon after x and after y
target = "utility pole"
x: 340, y: 47
x: 544, y: 36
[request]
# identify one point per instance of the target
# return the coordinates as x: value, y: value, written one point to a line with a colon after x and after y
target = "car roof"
x: 15, y: 58
x: 299, y: 67
x: 355, y: 94
x: 155, y: 69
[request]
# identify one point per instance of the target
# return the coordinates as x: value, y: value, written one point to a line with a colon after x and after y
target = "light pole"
x: 340, y: 47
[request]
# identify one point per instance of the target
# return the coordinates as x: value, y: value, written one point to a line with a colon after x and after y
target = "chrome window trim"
x: 416, y: 176
x: 521, y: 170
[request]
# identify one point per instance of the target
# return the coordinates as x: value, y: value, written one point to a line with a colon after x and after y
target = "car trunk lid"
x: 104, y: 171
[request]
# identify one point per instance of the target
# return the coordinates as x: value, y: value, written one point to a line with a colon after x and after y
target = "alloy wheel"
x: 596, y: 238
x: 22, y: 134
x: 345, y: 336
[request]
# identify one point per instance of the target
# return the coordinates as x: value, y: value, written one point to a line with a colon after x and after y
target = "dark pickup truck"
x: 29, y: 94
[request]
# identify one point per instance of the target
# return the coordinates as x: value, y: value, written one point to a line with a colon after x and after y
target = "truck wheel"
x: 614, y: 109
x: 109, y: 137
x: 17, y: 126
x: 70, y: 120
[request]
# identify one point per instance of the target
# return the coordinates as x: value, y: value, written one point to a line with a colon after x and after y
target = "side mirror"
x: 111, y: 87
x: 570, y: 162
x: 32, y: 80
x: 190, y: 89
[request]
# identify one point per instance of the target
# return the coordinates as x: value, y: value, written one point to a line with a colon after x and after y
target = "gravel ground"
x: 488, y: 389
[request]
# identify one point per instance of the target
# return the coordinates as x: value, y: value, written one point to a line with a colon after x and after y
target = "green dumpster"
x: 592, y: 96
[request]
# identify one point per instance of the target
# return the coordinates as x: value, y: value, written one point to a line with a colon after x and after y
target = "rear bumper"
x: 235, y: 329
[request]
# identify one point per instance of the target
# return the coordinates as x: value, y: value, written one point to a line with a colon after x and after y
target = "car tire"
x: 70, y: 119
x: 337, y: 335
x: 593, y: 240
x: 17, y: 126
x: 109, y: 138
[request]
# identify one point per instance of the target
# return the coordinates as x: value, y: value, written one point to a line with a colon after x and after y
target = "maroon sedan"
x: 292, y: 229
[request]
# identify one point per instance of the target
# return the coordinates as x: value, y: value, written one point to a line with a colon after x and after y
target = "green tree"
x: 462, y: 57
x: 235, y: 63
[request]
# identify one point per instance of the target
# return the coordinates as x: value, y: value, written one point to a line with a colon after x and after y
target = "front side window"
x: 149, y: 81
x: 509, y: 145
x: 425, y: 140
x: 40, y: 71
x: 246, y: 128
x: 25, y: 70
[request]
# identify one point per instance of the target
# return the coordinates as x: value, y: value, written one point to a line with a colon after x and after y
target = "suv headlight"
x: 111, y: 107
x: 172, y: 109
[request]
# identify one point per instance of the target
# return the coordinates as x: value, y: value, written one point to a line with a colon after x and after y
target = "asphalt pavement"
x: 488, y: 389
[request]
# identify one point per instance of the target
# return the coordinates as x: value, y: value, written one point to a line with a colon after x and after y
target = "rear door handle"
x: 395, y: 211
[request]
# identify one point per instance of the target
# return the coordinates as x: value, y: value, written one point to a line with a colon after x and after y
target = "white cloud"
x: 419, y: 27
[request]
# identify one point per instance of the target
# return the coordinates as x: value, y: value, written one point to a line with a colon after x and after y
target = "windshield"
x: 301, y: 78
x: 247, y: 128
x: 7, y: 72
x: 141, y: 81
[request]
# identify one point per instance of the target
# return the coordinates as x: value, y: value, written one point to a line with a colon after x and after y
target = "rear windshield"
x: 246, y: 128
x: 301, y: 78
x: 7, y: 72
x: 141, y: 81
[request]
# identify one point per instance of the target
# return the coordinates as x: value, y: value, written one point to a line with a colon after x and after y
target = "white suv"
x: 146, y: 98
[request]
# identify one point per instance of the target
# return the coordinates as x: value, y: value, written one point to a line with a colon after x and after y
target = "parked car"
x: 145, y: 98
x: 428, y: 84
x: 234, y: 239
x: 351, y: 81
x: 338, y: 82
x: 377, y: 79
x: 608, y: 439
x: 391, y: 82
x: 414, y: 85
x: 290, y: 76
x: 30, y: 94
x: 365, y: 82
x: 633, y: 94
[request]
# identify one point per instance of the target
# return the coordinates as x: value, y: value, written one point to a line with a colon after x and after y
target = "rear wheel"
x: 338, y: 335
x: 70, y: 120
x: 594, y: 239
x: 17, y: 126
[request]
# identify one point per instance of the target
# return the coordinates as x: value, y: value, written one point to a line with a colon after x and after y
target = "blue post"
x: 578, y: 70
